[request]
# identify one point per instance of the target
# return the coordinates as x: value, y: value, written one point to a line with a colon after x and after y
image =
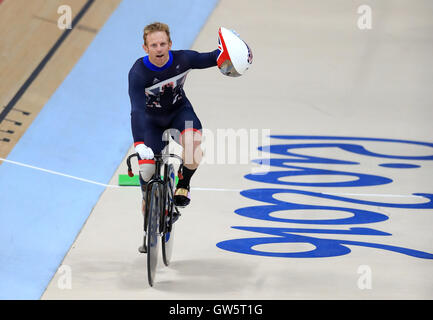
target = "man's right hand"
x: 145, y: 152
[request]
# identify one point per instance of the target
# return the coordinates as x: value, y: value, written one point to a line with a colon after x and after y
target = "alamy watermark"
x: 65, y: 277
x: 365, y: 20
x: 65, y: 20
x: 365, y: 280
x: 225, y: 146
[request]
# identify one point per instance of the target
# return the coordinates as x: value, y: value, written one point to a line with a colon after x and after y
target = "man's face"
x: 157, y: 47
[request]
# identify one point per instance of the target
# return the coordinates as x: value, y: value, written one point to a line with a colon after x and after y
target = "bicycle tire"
x: 153, y: 234
x: 168, y: 232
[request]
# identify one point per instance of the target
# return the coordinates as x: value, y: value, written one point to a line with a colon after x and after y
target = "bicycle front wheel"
x: 153, y: 234
x: 168, y: 232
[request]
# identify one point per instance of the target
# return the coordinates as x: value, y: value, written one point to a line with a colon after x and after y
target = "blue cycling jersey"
x: 156, y: 93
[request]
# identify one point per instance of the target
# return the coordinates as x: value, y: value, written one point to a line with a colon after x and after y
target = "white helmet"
x: 235, y: 56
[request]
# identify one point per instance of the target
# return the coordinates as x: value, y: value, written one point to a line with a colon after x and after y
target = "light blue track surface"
x: 83, y: 131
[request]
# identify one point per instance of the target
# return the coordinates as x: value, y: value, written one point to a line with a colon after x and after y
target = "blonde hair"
x: 156, y: 26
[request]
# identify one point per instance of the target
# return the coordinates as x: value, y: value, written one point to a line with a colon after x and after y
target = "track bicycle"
x: 160, y: 212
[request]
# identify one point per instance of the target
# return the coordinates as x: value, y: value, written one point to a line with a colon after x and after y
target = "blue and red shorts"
x: 179, y: 122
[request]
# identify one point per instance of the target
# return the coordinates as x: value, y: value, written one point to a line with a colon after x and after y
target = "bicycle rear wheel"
x: 153, y: 234
x: 168, y: 232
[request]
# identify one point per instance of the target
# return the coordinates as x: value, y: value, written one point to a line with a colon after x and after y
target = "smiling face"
x: 157, y: 46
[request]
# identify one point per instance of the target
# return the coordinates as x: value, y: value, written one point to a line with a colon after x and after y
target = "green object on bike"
x: 125, y: 180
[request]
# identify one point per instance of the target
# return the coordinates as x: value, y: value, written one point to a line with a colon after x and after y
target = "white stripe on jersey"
x: 174, y: 79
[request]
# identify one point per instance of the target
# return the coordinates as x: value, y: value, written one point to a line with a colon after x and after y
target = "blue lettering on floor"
x: 322, y: 247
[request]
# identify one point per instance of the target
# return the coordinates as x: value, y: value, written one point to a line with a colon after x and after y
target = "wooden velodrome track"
x: 317, y: 78
x: 28, y: 33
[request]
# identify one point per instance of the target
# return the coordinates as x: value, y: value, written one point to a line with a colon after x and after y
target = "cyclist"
x: 158, y: 103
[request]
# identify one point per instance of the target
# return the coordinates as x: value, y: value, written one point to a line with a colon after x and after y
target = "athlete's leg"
x: 190, y: 140
x: 189, y: 126
x: 147, y: 169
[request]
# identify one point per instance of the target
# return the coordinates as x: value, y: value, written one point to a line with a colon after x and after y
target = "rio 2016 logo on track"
x: 297, y: 165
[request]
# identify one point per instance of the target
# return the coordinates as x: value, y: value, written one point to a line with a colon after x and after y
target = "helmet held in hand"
x: 235, y: 56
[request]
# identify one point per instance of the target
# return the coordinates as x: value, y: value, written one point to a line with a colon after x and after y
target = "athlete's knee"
x: 147, y: 169
x: 190, y: 137
x: 191, y: 143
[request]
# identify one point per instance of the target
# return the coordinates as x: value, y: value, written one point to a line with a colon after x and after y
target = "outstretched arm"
x: 203, y: 60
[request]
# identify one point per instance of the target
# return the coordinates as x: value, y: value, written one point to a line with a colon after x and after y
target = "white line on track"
x: 195, y: 188
x: 59, y: 173
x: 216, y: 189
x: 329, y: 193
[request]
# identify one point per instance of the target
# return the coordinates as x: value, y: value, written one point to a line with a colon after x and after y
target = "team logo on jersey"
x: 166, y: 92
